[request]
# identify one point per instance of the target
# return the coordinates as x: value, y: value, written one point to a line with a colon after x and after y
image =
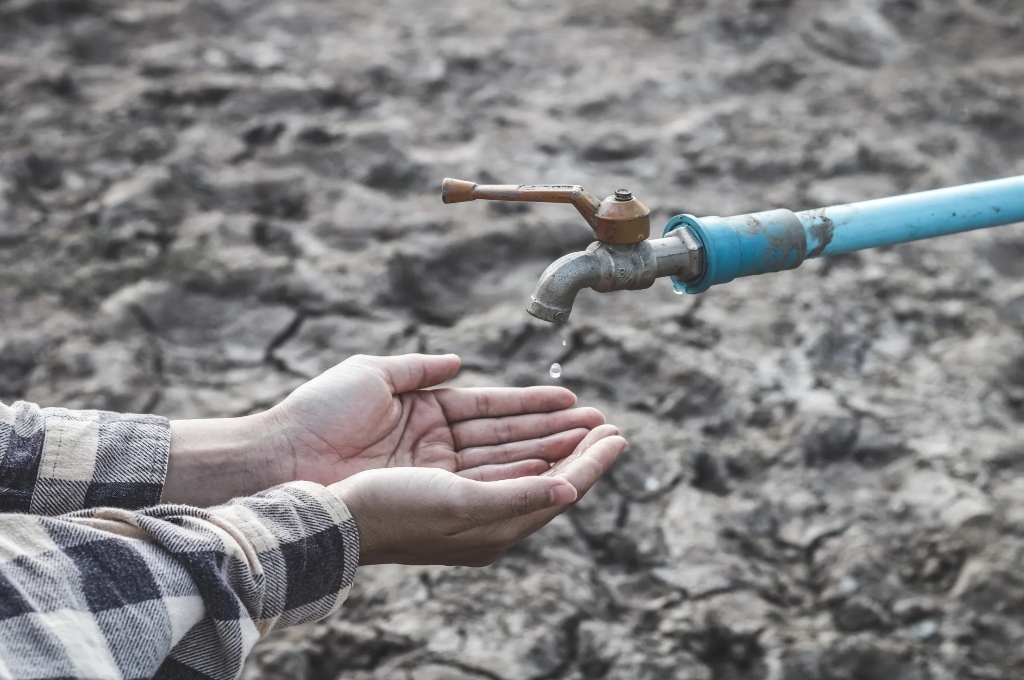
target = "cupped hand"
x: 368, y: 413
x: 376, y: 412
x: 431, y: 516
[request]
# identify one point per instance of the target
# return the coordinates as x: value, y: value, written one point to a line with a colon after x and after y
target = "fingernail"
x: 563, y: 494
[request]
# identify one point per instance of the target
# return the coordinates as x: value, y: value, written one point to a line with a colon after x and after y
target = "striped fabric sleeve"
x: 54, y: 461
x: 170, y: 591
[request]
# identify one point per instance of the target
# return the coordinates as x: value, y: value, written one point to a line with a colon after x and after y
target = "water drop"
x: 564, y: 343
x: 556, y: 371
x: 925, y: 630
x: 677, y: 291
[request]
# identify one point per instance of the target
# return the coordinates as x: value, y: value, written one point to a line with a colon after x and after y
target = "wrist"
x: 352, y: 493
x: 344, y: 492
x: 215, y: 460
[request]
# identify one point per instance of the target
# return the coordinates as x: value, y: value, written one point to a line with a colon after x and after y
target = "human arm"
x: 375, y: 412
x: 119, y: 593
x: 174, y: 591
x: 365, y: 413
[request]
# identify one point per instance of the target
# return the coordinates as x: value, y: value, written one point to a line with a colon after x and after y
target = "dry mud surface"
x: 203, y: 202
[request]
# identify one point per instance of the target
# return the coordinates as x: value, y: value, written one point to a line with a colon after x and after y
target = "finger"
x: 491, y: 402
x: 551, y: 448
x: 584, y: 470
x: 493, y: 431
x: 496, y: 501
x: 495, y: 473
x: 410, y: 372
x: 594, y: 436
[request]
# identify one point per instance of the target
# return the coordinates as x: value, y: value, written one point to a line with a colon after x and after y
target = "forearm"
x: 171, y: 590
x: 54, y: 461
x: 215, y: 460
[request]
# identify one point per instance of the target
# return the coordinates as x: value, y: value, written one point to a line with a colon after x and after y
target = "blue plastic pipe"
x: 758, y: 243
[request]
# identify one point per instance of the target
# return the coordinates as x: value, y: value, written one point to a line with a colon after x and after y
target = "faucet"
x: 699, y: 252
x: 623, y: 256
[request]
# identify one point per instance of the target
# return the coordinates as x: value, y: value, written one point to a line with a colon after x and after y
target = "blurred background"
x: 205, y: 202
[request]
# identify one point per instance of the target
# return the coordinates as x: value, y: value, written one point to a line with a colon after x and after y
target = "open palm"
x: 377, y: 412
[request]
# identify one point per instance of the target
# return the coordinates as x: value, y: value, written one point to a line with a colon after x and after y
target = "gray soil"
x: 204, y: 202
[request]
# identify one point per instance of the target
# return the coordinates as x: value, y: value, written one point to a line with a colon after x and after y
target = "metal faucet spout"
x: 605, y: 267
x: 556, y: 291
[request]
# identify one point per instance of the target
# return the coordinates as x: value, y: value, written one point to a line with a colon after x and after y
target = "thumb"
x: 496, y: 501
x: 410, y: 372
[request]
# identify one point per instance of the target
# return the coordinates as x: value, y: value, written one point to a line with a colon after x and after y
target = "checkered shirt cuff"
x: 54, y: 461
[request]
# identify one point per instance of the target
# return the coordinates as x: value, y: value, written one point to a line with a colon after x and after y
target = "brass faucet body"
x: 620, y: 219
x: 624, y: 257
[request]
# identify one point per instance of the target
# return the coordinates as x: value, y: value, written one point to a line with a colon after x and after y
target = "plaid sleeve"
x: 171, y: 591
x: 54, y: 461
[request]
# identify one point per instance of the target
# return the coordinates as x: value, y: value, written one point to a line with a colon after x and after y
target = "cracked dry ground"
x: 203, y: 202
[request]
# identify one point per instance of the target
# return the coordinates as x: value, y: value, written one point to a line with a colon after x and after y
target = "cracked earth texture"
x: 204, y: 202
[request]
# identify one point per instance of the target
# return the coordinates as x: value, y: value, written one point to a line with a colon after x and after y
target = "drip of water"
x: 564, y: 343
x: 556, y: 371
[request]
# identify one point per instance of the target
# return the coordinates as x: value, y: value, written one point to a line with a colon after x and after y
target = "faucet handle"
x: 459, y: 191
x: 619, y: 219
